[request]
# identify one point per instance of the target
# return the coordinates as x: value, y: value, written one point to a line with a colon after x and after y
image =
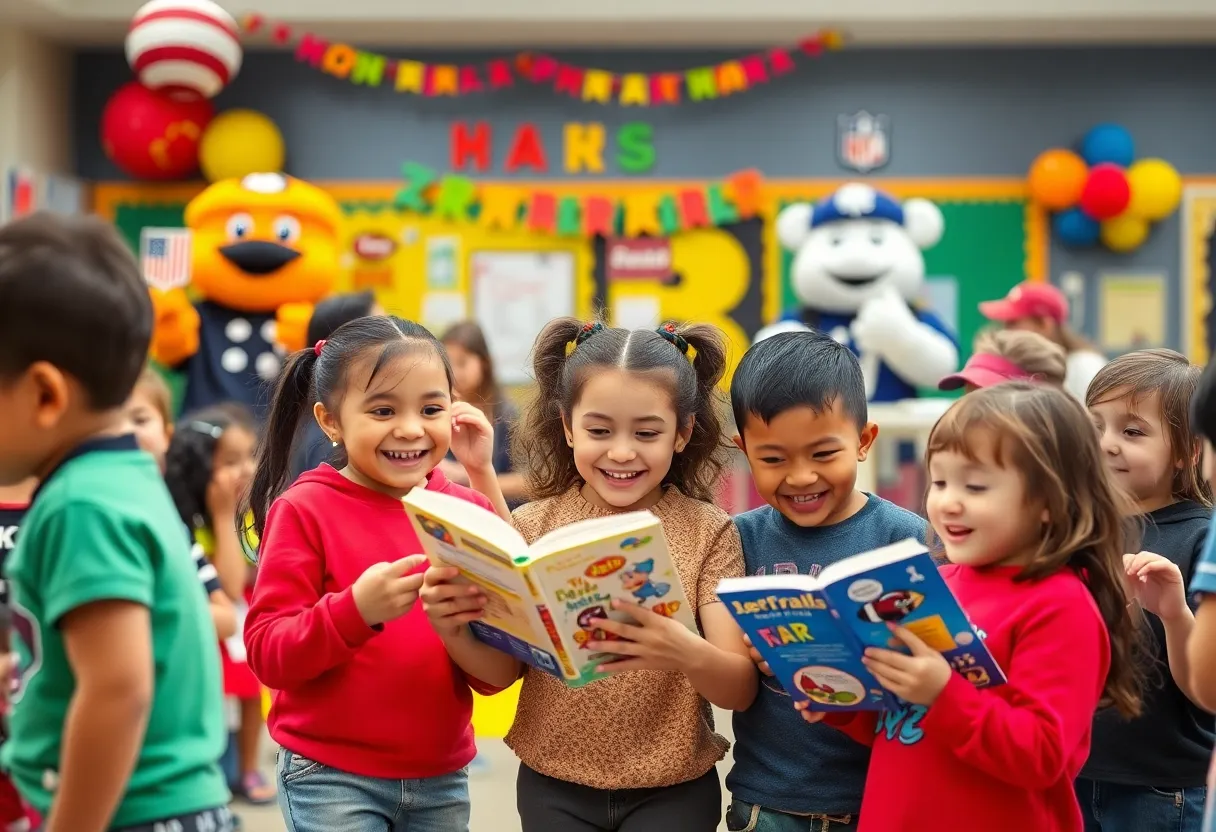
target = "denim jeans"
x: 748, y: 817
x: 318, y: 798
x: 1113, y: 807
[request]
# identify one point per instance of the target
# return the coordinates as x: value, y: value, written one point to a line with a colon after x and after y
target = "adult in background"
x: 312, y: 446
x: 1042, y: 308
x: 475, y: 383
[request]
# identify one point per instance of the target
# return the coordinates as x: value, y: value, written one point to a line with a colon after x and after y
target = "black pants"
x: 208, y: 820
x: 548, y: 805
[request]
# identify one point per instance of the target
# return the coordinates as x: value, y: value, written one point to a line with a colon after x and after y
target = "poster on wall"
x: 441, y: 257
x: 864, y: 142
x: 1133, y: 312
x: 515, y: 293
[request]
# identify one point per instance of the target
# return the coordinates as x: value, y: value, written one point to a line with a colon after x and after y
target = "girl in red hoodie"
x: 1033, y: 528
x: 372, y: 716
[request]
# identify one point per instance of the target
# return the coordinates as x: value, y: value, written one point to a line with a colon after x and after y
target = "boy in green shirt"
x: 117, y: 723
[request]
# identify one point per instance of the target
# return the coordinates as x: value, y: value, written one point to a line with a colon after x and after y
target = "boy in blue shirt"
x: 800, y: 410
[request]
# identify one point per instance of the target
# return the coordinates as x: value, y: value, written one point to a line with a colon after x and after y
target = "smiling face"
x: 804, y: 462
x: 1136, y: 447
x: 843, y: 264
x: 981, y: 510
x: 623, y: 431
x: 395, y: 427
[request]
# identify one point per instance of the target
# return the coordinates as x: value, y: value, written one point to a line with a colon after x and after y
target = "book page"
x: 474, y: 522
x: 873, y: 559
x: 580, y: 533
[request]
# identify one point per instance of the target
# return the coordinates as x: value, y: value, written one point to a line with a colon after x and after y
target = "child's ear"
x: 685, y: 434
x: 327, y: 422
x: 738, y: 440
x: 49, y: 390
x: 567, y: 431
x: 869, y: 433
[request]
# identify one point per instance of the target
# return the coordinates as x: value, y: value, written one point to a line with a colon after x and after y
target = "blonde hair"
x: 1173, y: 378
x: 1039, y: 357
x: 1046, y: 435
x: 154, y: 383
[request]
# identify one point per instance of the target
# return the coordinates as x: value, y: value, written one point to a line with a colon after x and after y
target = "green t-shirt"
x: 103, y: 527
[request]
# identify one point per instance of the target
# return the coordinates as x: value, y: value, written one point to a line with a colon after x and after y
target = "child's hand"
x: 450, y: 606
x: 918, y: 678
x: 655, y: 642
x: 472, y: 437
x: 387, y: 590
x: 223, y: 493
x: 810, y: 716
x: 756, y: 657
x: 1157, y: 584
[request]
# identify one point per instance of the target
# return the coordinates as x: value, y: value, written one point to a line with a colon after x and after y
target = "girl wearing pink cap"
x: 1009, y: 355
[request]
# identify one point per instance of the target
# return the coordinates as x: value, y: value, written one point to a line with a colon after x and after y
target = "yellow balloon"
x: 1156, y: 189
x: 240, y: 142
x: 1124, y: 232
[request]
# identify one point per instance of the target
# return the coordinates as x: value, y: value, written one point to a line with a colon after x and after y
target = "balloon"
x: 238, y: 143
x: 1108, y: 144
x: 1124, y: 233
x: 1106, y: 192
x: 186, y: 48
x: 1073, y: 228
x: 149, y: 135
x: 1056, y: 178
x: 1156, y: 189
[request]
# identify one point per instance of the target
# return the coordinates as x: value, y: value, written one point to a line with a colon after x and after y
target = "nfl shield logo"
x: 864, y: 141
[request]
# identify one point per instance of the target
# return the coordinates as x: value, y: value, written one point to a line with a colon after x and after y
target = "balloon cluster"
x: 1103, y: 192
x: 163, y: 126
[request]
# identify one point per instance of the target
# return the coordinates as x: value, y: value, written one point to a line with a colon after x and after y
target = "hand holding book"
x: 655, y: 642
x: 450, y: 605
x: 386, y: 591
x: 918, y: 678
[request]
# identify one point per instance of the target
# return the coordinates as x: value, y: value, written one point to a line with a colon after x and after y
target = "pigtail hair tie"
x: 589, y: 329
x: 317, y: 347
x: 669, y: 333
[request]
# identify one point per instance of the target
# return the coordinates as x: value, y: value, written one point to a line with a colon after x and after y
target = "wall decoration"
x: 1133, y: 311
x: 863, y: 141
x: 639, y: 258
x: 1198, y: 290
x: 187, y: 49
x: 240, y: 142
x: 150, y: 135
x: 1101, y: 194
x: 587, y: 84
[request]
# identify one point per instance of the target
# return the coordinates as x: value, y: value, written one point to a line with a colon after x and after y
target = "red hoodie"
x: 1002, y: 759
x: 384, y: 702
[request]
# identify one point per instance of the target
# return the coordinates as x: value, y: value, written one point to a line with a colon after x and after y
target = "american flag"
x: 165, y: 257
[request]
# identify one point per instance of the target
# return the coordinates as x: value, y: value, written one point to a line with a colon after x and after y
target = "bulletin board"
x: 1198, y: 269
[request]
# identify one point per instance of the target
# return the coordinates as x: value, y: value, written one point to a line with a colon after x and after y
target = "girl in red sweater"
x: 1033, y: 528
x: 372, y: 716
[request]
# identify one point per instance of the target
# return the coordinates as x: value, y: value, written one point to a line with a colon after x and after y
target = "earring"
x: 334, y: 442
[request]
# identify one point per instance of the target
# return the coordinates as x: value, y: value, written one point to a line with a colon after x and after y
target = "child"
x: 148, y: 417
x: 799, y: 403
x: 623, y: 421
x: 14, y: 502
x: 373, y: 716
x: 1009, y: 355
x: 1148, y: 773
x: 119, y: 723
x: 208, y: 468
x: 1035, y: 531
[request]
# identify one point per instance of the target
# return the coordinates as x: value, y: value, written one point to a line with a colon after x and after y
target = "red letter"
x: 599, y: 216
x: 527, y: 150
x: 542, y: 212
x: 311, y: 50
x: 464, y: 146
x: 692, y: 206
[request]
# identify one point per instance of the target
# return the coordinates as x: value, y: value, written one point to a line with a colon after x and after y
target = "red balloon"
x: 1106, y: 192
x: 152, y: 136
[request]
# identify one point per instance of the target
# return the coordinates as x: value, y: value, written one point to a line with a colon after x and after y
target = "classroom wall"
x: 953, y: 113
x: 35, y: 95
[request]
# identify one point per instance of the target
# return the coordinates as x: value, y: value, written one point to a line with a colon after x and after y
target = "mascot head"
x: 855, y: 244
x: 264, y: 241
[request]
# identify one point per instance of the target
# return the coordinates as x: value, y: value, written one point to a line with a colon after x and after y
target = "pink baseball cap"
x: 1028, y: 300
x: 984, y: 370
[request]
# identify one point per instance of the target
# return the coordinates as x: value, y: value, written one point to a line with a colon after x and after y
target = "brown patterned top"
x: 641, y: 728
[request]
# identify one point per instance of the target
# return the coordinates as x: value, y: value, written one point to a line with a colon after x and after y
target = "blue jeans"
x: 1113, y: 807
x: 748, y: 817
x: 318, y: 798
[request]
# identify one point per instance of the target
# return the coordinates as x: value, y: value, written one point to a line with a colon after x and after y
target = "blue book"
x: 812, y: 631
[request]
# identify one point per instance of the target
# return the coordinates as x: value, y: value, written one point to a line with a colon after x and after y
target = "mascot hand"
x: 291, y: 325
x: 882, y: 324
x: 175, y: 327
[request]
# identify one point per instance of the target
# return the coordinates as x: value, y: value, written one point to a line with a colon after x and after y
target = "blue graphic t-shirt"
x: 1204, y: 583
x: 781, y: 762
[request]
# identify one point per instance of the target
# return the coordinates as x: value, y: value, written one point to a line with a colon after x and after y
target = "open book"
x: 541, y: 599
x: 812, y: 631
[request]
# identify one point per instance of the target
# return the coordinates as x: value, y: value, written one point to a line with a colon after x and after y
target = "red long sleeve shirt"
x: 1002, y: 758
x: 385, y: 702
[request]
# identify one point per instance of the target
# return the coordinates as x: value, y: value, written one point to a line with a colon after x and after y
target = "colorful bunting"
x: 589, y: 84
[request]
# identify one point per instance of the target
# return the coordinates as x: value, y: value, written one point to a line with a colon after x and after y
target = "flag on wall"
x: 165, y: 257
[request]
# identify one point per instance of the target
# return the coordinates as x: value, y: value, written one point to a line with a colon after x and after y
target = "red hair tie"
x: 317, y: 347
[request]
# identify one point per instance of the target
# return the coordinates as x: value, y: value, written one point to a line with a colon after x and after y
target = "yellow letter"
x: 584, y: 147
x: 597, y: 86
x: 635, y: 89
x: 409, y: 76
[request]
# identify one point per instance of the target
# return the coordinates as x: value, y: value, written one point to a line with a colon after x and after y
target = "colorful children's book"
x: 812, y: 631
x: 543, y: 598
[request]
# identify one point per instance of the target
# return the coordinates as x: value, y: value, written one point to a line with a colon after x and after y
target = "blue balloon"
x: 1074, y: 228
x: 1108, y: 143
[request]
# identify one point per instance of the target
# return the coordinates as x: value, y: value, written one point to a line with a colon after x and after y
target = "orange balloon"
x: 1057, y: 177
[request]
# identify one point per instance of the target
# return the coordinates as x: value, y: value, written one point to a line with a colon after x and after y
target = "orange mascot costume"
x: 265, y: 249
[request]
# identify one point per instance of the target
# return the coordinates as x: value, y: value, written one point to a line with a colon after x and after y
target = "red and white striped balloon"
x: 185, y: 48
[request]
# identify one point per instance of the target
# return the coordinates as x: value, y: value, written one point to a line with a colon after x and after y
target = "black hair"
x: 189, y: 462
x: 71, y: 294
x: 312, y: 375
x: 336, y: 310
x: 797, y: 369
x: 568, y: 350
x: 1203, y: 404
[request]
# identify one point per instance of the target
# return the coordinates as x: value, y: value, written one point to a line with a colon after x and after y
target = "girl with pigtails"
x: 623, y: 420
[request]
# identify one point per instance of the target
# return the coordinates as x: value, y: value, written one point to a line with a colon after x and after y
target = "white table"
x: 911, y: 419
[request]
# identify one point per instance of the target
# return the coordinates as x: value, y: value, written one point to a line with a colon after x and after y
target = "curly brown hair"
x: 539, y: 445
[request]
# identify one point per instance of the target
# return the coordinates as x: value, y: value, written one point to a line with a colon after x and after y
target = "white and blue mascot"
x: 858, y: 271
